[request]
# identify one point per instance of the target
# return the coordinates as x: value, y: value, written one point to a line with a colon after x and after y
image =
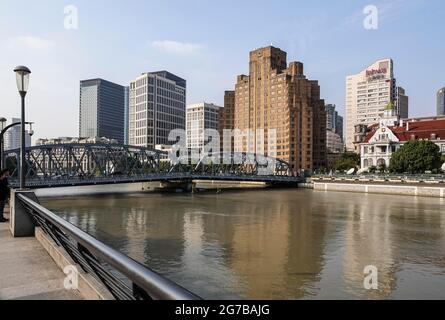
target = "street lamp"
x: 22, y: 76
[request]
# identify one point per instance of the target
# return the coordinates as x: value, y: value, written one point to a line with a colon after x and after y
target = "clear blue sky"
x: 207, y: 43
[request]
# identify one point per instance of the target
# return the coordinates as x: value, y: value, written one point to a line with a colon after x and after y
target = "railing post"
x: 21, y: 223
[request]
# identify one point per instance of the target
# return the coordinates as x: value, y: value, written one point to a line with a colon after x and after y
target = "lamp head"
x: 22, y: 76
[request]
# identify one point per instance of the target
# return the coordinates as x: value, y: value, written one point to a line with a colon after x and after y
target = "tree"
x: 382, y: 167
x: 416, y: 157
x: 347, y: 161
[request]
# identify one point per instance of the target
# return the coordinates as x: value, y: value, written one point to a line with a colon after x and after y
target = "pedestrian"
x: 4, y: 193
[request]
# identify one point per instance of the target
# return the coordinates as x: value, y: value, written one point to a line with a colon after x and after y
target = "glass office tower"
x: 102, y: 110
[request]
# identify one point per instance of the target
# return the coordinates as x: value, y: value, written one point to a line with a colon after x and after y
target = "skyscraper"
x: 334, y: 121
x: 367, y: 95
x: 227, y: 121
x: 126, y: 113
x: 334, y: 130
x: 276, y: 100
x: 102, y: 110
x: 339, y: 127
x: 13, y: 137
x: 201, y: 116
x: 402, y: 104
x: 157, y: 106
x: 441, y: 102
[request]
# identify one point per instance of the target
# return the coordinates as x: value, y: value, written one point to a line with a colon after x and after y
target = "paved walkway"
x: 28, y: 272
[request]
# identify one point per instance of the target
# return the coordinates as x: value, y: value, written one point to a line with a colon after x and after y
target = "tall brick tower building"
x: 278, y: 100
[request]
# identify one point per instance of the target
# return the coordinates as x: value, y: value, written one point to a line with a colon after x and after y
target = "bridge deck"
x: 28, y: 272
x: 184, y: 177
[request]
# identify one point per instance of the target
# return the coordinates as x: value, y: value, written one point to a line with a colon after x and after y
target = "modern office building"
x: 402, y: 103
x: 126, y: 114
x: 334, y: 142
x: 200, y: 117
x: 339, y: 129
x: 157, y: 106
x: 227, y: 122
x: 276, y: 104
x: 331, y: 117
x: 367, y: 95
x: 334, y: 121
x: 12, y: 139
x: 102, y: 109
x: 441, y: 102
x: 334, y: 130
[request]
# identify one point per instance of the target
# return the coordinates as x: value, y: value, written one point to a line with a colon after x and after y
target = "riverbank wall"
x: 417, y: 190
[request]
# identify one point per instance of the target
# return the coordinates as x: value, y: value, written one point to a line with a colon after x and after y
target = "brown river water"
x: 275, y: 244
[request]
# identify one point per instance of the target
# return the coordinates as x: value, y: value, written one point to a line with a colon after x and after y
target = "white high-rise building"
x: 13, y: 137
x: 201, y: 116
x: 157, y: 106
x: 367, y: 95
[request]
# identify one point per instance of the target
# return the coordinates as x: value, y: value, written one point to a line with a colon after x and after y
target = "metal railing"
x: 76, y: 181
x: 125, y: 278
x: 384, y: 177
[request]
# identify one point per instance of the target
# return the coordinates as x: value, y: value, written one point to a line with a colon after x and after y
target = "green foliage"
x: 347, y: 161
x: 416, y: 157
x: 382, y: 167
x: 351, y: 156
x: 390, y: 106
x: 372, y: 169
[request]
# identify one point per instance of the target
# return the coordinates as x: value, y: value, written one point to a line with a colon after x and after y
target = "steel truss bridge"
x: 62, y: 165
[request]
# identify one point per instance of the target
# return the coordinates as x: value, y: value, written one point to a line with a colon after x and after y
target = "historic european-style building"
x: 379, y: 141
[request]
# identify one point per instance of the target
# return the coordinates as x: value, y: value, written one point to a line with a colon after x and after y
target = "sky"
x: 208, y: 43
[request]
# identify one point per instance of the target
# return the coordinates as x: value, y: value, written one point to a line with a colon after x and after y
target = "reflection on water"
x: 279, y: 244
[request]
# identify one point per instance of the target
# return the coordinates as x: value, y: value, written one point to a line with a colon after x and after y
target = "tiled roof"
x: 422, y: 130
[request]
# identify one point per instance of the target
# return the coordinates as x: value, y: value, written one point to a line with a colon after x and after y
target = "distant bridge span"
x: 63, y: 165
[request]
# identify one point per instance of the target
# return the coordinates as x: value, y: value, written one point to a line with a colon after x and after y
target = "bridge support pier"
x: 184, y: 186
x: 21, y: 224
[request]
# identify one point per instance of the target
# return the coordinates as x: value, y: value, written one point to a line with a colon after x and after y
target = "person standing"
x: 4, y: 193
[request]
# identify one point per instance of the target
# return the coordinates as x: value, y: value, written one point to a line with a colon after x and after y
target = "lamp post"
x: 2, y: 127
x: 22, y: 76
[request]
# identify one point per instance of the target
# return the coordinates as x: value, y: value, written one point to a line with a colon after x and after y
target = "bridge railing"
x: 125, y: 278
x: 73, y: 181
x: 384, y: 177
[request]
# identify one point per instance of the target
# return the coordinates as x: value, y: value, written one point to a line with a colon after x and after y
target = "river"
x: 275, y: 244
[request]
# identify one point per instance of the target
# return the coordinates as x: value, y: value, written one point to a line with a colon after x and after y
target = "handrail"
x: 156, y: 286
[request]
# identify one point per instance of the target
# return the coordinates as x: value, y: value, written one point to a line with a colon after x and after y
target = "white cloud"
x: 175, y: 47
x: 31, y: 43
